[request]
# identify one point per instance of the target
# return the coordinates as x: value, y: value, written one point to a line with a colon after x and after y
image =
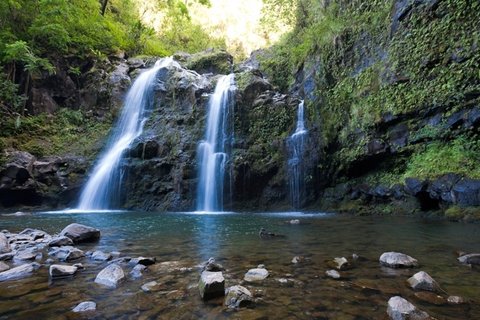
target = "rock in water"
x: 211, y: 285
x: 212, y: 265
x: 473, y: 258
x: 334, y: 274
x: 238, y: 297
x: 152, y: 286
x: 101, y: 256
x: 256, y: 274
x: 111, y: 276
x: 60, y: 241
x: 422, y: 281
x: 4, y: 245
x: 60, y: 271
x: 18, y: 272
x: 66, y: 253
x: 401, y: 309
x: 3, y: 266
x: 85, y: 306
x: 397, y: 260
x: 80, y: 233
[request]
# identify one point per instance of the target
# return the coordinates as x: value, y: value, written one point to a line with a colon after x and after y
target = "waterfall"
x: 296, y: 149
x: 102, y: 190
x: 213, y: 151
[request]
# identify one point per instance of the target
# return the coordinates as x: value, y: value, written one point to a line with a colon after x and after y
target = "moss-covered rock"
x: 210, y: 61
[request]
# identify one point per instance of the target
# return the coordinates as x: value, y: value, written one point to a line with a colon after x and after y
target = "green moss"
x: 218, y: 60
x: 461, y: 156
x: 66, y: 132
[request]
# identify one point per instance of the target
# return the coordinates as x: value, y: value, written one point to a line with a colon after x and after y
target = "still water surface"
x: 292, y: 291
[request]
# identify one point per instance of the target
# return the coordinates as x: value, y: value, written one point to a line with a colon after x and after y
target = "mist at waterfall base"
x: 103, y: 189
x: 296, y: 150
x: 214, y: 150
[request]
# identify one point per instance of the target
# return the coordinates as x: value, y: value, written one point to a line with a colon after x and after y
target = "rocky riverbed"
x: 149, y: 265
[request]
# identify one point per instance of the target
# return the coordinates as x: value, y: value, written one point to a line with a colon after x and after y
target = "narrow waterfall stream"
x: 296, y: 149
x: 102, y: 190
x: 213, y: 151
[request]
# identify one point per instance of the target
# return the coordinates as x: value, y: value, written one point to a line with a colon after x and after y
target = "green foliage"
x: 461, y: 156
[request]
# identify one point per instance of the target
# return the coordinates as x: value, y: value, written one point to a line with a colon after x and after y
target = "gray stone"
x: 397, y: 260
x: 25, y: 255
x: 7, y: 256
x: 3, y: 266
x: 59, y: 271
x: 4, y: 245
x: 237, y: 297
x: 101, y: 256
x: 256, y: 274
x: 341, y: 263
x: 85, y: 306
x: 111, y: 276
x: 80, y: 233
x: 473, y: 258
x: 60, y: 241
x: 423, y: 281
x: 18, y: 272
x: 66, y: 253
x: 137, y: 271
x: 401, y: 309
x: 334, y: 274
x: 152, y: 286
x: 212, y: 266
x: 211, y: 285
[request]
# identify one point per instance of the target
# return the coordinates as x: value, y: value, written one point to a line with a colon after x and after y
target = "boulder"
x: 60, y: 271
x: 256, y: 274
x: 422, y: 281
x: 466, y: 192
x: 80, y: 233
x: 4, y: 245
x: 60, y: 241
x: 211, y: 285
x: 85, y: 306
x: 414, y: 186
x: 334, y: 274
x: 110, y: 276
x: 237, y: 297
x: 3, y: 266
x: 25, y: 255
x: 401, y: 309
x: 397, y: 260
x: 100, y: 256
x: 473, y: 258
x: 18, y: 272
x: 66, y: 253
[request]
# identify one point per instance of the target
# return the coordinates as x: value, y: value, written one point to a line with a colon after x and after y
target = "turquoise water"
x: 187, y: 239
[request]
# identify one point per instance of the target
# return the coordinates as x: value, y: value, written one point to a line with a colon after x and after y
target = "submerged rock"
x: 401, y: 309
x: 85, y: 306
x: 264, y: 234
x: 431, y: 298
x: 60, y: 271
x: 473, y: 258
x: 397, y: 260
x: 110, y: 276
x: 423, y: 281
x: 146, y: 261
x: 18, y: 272
x: 211, y: 285
x: 152, y: 286
x: 256, y: 274
x: 455, y: 300
x: 80, y: 233
x: 238, y: 297
x: 334, y: 274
